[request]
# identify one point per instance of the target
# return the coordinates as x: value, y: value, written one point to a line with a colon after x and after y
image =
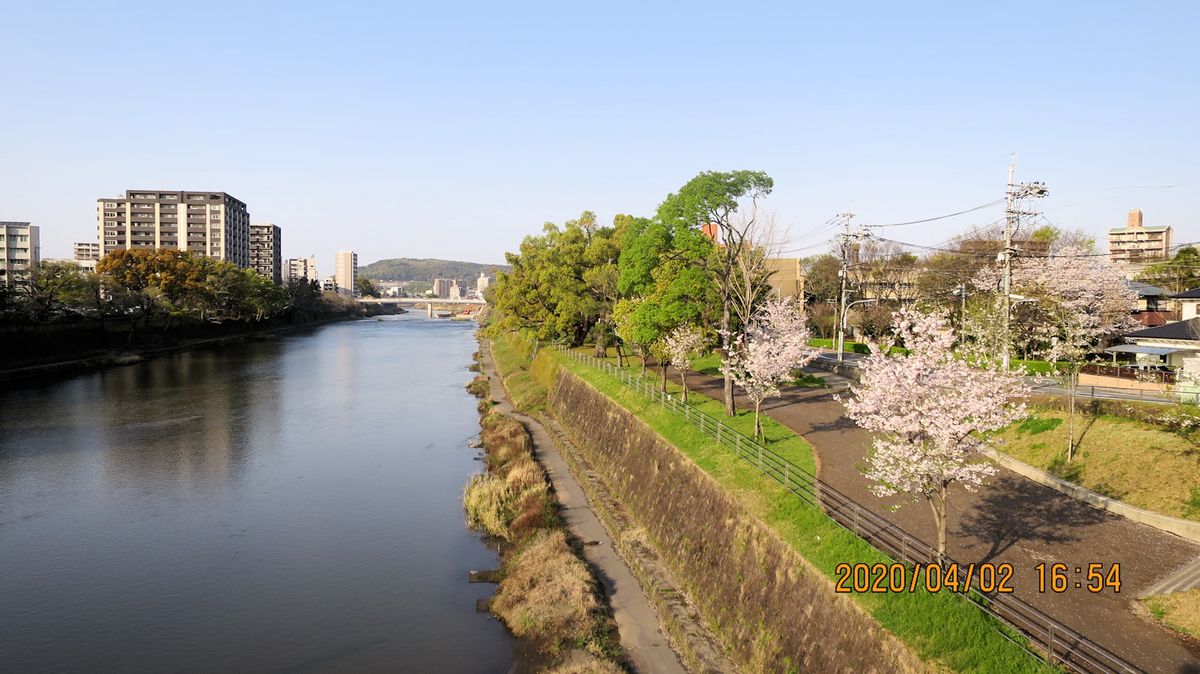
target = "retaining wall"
x: 775, y: 611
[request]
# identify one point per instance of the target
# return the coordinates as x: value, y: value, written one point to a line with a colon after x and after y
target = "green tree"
x: 365, y: 288
x: 1178, y: 274
x: 727, y: 204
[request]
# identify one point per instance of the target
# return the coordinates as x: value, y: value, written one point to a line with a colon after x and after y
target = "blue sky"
x: 452, y: 130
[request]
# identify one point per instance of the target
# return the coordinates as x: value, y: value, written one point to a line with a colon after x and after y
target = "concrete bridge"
x: 429, y: 302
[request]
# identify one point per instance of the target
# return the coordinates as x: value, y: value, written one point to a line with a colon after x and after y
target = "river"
x: 283, y: 505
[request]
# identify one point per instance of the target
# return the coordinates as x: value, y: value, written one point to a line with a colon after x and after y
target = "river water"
x: 287, y: 505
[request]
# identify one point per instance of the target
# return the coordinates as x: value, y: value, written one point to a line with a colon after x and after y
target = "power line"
x: 941, y: 217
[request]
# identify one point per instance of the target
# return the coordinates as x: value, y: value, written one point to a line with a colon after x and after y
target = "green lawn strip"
x: 512, y: 354
x: 1112, y: 458
x: 941, y: 627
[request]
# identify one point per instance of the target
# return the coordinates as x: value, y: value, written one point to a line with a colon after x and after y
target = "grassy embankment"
x: 1113, y: 457
x: 942, y: 628
x: 546, y: 593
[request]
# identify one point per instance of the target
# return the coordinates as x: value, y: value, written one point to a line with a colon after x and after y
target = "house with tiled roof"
x: 1169, y: 344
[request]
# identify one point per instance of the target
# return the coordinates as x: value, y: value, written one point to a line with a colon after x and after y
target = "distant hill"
x: 412, y: 269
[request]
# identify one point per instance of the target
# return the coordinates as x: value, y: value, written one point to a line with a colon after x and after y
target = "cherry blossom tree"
x: 682, y: 344
x: 1084, y: 300
x: 928, y: 410
x: 774, y: 342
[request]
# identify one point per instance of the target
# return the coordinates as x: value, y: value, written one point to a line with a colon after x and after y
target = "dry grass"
x: 479, y: 387
x: 1180, y: 610
x: 1129, y: 460
x: 547, y: 594
x: 583, y: 663
x: 488, y: 502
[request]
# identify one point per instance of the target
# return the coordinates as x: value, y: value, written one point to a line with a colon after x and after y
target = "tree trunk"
x: 730, y: 410
x: 757, y: 421
x: 662, y: 373
x: 1072, y: 384
x: 620, y: 356
x: 601, y: 349
x: 937, y: 503
x: 644, y: 363
x: 683, y: 382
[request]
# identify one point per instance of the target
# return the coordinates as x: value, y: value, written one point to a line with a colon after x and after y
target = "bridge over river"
x: 429, y: 302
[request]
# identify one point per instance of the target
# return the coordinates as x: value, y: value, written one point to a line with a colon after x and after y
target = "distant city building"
x: 302, y: 268
x: 329, y: 285
x: 441, y: 287
x: 1137, y: 244
x: 345, y: 271
x: 213, y: 224
x: 87, y: 254
x: 482, y: 283
x: 265, y: 257
x: 87, y: 250
x: 20, y: 251
x: 787, y: 277
x: 455, y: 291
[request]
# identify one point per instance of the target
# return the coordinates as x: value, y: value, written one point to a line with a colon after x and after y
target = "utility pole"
x: 1013, y: 195
x: 843, y: 277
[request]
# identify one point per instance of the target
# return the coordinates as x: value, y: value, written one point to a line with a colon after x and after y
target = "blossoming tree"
x: 774, y: 343
x: 682, y: 344
x: 1084, y: 299
x: 927, y: 410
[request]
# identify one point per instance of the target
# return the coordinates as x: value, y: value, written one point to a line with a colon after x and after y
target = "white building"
x: 302, y: 268
x: 455, y: 291
x: 345, y: 271
x: 20, y: 250
x: 482, y: 283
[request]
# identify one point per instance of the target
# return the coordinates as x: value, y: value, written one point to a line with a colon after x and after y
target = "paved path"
x: 1016, y: 521
x: 648, y: 648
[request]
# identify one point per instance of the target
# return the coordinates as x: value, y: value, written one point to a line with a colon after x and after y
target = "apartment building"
x: 345, y: 271
x: 265, y: 253
x: 1135, y: 243
x: 86, y: 250
x: 302, y: 268
x: 441, y: 287
x: 213, y: 224
x: 482, y: 283
x: 20, y: 251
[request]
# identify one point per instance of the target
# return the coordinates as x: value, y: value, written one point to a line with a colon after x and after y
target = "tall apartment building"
x: 1135, y: 243
x: 345, y: 271
x: 482, y: 283
x: 441, y: 287
x: 20, y: 251
x: 302, y: 268
x: 213, y: 224
x: 265, y: 253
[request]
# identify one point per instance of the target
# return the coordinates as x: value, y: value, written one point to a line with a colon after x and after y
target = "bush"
x: 548, y: 595
x: 1181, y: 419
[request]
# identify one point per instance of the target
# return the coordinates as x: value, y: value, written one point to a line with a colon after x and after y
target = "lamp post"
x: 842, y: 332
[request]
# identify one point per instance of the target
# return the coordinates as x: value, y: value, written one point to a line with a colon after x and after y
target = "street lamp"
x: 842, y: 332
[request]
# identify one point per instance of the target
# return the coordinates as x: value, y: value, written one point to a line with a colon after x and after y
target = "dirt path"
x: 1014, y: 520
x: 648, y: 648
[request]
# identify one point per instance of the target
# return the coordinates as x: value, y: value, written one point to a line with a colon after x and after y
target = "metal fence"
x: 1059, y: 644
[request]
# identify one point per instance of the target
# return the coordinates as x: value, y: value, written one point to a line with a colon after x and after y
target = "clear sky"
x: 451, y: 130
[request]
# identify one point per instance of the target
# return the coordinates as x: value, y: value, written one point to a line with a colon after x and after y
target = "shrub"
x: 487, y: 500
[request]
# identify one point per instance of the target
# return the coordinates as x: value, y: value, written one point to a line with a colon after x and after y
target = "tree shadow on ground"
x: 1013, y: 509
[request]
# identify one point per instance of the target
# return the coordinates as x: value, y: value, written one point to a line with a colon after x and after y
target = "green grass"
x: 942, y: 627
x: 1133, y: 461
x: 512, y: 354
x: 1180, y: 611
x: 710, y: 364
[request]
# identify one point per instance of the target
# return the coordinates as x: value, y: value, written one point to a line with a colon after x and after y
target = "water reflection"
x: 291, y: 504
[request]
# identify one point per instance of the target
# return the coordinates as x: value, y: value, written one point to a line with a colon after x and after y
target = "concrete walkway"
x: 1016, y: 521
x: 647, y: 647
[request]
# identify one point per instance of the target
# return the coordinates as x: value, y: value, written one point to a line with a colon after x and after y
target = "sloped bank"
x: 775, y: 612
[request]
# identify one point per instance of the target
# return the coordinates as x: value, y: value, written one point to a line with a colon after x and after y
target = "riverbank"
x: 646, y: 647
x: 89, y: 347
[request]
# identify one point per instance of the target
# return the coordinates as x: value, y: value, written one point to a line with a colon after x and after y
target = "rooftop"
x: 1188, y: 330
